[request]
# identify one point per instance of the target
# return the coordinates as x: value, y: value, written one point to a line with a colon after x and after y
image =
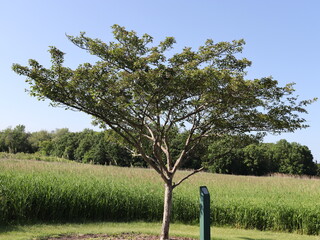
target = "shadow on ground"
x: 4, y: 229
x: 246, y: 238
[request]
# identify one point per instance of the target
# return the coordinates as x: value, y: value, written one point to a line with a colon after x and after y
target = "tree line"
x: 240, y: 155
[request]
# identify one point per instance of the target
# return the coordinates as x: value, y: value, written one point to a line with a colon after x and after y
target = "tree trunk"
x: 166, y: 211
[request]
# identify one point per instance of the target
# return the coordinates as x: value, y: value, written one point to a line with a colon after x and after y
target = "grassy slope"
x: 238, y: 201
x: 37, y: 231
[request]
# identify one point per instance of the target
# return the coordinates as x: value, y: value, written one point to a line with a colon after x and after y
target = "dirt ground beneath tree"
x: 123, y: 236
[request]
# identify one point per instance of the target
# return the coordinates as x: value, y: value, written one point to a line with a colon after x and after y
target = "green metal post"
x: 204, y: 213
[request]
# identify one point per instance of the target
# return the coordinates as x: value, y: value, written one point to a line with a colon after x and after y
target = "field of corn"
x: 37, y: 191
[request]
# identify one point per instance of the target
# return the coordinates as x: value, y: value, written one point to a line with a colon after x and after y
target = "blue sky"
x: 283, y: 41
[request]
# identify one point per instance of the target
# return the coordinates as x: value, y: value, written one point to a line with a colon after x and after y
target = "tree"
x: 142, y: 94
x: 258, y: 161
x: 87, y: 141
x: 37, y: 138
x: 225, y: 154
x: 294, y: 158
x: 15, y: 140
x: 63, y: 144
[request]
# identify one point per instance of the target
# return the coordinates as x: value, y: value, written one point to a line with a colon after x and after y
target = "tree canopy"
x: 141, y: 93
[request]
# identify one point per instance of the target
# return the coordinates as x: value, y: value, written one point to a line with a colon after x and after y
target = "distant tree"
x: 225, y: 154
x: 15, y: 140
x: 36, y: 138
x: 2, y: 142
x: 52, y: 146
x: 96, y: 154
x: 258, y: 160
x: 294, y: 158
x: 63, y: 144
x: 46, y: 147
x: 118, y: 155
x: 142, y: 94
x: 70, y: 141
x: 58, y: 133
x: 87, y: 139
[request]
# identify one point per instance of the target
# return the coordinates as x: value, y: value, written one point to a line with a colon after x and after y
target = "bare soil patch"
x: 122, y: 236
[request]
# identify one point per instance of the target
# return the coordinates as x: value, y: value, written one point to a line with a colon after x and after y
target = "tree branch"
x: 166, y: 150
x: 186, y: 145
x: 186, y: 177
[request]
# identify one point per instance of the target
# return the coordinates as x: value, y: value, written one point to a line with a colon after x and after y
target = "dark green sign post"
x: 204, y: 213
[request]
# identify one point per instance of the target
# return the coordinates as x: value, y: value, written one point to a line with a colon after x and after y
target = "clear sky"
x: 282, y: 36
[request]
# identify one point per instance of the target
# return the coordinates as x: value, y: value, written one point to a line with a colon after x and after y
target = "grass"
x: 28, y: 232
x: 35, y: 191
x: 32, y: 156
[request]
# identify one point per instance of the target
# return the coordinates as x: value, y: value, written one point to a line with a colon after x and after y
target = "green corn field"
x: 37, y: 191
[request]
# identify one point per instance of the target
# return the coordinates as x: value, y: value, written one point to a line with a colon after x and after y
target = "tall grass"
x: 32, y: 156
x: 33, y: 191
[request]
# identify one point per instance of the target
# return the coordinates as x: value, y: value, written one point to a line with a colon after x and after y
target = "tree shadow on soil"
x: 246, y: 238
x: 4, y: 229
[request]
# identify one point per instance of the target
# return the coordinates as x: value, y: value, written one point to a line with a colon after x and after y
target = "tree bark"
x: 166, y: 211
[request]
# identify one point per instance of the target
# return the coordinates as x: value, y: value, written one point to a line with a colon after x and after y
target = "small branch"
x: 153, y: 164
x: 186, y: 177
x: 150, y: 131
x: 166, y: 150
x: 186, y: 145
x: 197, y: 110
x: 157, y: 153
x: 147, y: 137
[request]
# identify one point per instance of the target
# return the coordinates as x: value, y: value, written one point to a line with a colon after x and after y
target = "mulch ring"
x: 122, y: 236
